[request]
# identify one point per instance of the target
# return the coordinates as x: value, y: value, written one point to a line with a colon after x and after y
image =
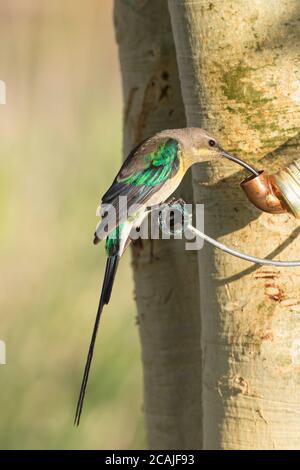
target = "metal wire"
x: 238, y: 254
x: 221, y: 246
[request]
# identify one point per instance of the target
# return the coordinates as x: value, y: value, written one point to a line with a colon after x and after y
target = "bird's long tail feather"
x: 109, y: 276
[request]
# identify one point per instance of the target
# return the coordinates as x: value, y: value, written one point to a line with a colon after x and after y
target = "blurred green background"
x: 60, y: 148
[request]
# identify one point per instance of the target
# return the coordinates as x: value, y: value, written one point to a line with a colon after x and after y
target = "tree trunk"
x: 239, y: 68
x: 166, y: 284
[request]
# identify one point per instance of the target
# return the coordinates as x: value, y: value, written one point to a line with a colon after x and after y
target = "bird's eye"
x: 211, y: 143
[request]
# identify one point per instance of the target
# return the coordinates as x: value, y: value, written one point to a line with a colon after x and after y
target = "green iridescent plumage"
x: 156, y: 168
x: 147, y: 168
x: 159, y: 166
x: 112, y: 242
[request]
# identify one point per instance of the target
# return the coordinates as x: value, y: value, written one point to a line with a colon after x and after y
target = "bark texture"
x: 167, y: 290
x: 239, y: 67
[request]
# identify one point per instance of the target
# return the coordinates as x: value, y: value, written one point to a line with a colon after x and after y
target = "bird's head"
x: 197, y: 146
x: 201, y: 146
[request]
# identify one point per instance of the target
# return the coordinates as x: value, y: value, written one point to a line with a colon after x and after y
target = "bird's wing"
x: 149, y: 165
x: 143, y: 173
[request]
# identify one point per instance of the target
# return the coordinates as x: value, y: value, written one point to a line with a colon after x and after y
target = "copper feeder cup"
x: 276, y: 193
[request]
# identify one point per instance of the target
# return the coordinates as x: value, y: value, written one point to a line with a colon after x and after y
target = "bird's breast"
x: 168, y: 188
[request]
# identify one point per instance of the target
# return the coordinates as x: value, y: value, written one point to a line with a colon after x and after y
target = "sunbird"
x: 148, y: 177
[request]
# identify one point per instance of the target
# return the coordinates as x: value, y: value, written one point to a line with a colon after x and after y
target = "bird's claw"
x: 173, y: 202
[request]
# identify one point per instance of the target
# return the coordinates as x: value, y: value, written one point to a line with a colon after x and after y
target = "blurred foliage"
x: 60, y: 148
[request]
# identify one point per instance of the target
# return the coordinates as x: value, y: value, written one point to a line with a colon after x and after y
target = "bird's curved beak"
x: 237, y: 160
x: 224, y: 153
x: 228, y: 155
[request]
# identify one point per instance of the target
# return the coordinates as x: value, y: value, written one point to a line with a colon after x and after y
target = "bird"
x: 148, y: 177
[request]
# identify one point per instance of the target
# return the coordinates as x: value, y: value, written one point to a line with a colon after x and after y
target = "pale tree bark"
x: 239, y: 67
x: 167, y: 290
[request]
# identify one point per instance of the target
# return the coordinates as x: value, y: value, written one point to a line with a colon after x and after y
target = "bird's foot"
x: 173, y: 202
x: 170, y: 202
